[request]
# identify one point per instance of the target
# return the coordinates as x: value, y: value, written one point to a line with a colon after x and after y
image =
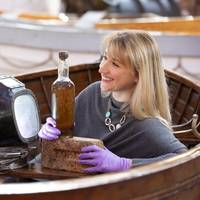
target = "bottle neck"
x: 63, y: 70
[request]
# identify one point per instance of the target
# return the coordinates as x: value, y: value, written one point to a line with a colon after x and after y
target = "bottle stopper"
x: 63, y: 55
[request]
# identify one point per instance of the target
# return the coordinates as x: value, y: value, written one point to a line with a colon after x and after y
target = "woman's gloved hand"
x: 102, y: 160
x: 49, y: 130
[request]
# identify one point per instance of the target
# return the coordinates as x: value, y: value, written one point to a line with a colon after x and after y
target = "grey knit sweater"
x: 143, y: 141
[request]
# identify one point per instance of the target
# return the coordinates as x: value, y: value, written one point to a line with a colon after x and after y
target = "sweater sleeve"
x: 160, y: 139
x: 142, y: 161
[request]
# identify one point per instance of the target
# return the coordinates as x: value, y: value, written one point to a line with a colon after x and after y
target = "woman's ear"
x: 136, y: 77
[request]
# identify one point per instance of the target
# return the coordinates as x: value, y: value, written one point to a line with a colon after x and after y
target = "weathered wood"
x: 63, y: 153
x: 184, y: 101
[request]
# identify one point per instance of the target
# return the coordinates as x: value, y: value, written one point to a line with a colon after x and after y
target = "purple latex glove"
x: 49, y: 130
x: 102, y: 160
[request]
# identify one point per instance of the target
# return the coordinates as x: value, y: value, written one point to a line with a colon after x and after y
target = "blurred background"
x: 33, y: 31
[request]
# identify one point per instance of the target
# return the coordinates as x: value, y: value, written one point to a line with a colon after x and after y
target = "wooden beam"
x: 189, y: 25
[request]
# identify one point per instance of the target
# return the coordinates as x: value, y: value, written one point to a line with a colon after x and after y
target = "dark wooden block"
x: 63, y: 153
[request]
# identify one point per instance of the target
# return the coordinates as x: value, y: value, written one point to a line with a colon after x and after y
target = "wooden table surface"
x: 35, y: 171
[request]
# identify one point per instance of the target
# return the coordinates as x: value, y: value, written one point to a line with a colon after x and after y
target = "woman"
x: 128, y: 109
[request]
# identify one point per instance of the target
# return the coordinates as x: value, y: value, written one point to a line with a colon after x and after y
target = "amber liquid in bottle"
x: 63, y: 97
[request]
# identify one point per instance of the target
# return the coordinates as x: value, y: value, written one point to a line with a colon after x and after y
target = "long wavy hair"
x: 139, y: 52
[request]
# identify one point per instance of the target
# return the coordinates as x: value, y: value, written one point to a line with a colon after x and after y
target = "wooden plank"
x: 186, y: 25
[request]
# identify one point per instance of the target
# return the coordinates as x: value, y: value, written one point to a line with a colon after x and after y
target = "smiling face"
x: 117, y: 77
x: 131, y: 71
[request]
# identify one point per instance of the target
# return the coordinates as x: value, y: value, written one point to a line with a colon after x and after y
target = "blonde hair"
x: 139, y: 51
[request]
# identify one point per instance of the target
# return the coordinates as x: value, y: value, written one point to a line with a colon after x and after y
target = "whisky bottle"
x: 63, y: 97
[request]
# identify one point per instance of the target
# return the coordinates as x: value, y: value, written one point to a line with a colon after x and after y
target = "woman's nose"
x: 103, y: 66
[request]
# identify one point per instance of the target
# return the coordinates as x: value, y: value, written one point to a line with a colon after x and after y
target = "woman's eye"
x: 104, y: 57
x: 115, y: 64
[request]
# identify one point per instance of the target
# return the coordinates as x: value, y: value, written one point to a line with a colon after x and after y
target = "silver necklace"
x: 108, y: 120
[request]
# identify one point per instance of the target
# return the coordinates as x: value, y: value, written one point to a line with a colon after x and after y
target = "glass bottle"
x: 63, y: 97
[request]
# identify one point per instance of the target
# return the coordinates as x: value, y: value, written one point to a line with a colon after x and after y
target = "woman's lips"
x: 106, y: 79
